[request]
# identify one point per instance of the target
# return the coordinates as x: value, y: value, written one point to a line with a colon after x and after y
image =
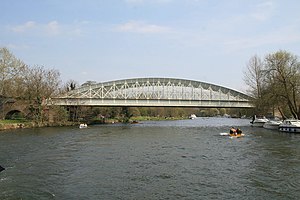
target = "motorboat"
x: 290, y: 125
x: 193, y: 116
x: 83, y: 126
x: 258, y: 121
x: 274, y: 125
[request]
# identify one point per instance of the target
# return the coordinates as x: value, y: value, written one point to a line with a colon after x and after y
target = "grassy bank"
x: 15, y: 124
x: 21, y: 123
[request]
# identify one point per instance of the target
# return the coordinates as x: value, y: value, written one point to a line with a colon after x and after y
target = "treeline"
x: 32, y: 84
x: 123, y: 114
x: 22, y: 81
x: 274, y: 82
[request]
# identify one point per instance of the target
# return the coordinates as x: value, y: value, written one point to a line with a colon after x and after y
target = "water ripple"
x: 154, y: 160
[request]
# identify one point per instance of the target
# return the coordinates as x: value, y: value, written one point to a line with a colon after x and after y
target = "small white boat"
x: 193, y: 116
x: 274, y: 125
x: 258, y: 122
x: 83, y: 126
x: 290, y: 125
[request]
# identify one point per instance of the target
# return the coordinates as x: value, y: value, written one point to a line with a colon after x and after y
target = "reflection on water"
x: 185, y: 159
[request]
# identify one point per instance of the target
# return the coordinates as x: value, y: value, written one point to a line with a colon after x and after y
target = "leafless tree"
x: 41, y: 83
x: 11, y: 74
x: 254, y: 75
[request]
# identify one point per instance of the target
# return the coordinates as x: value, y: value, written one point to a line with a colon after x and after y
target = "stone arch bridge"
x: 9, y: 107
x: 153, y: 92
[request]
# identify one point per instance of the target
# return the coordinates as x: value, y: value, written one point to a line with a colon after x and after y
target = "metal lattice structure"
x: 153, y: 92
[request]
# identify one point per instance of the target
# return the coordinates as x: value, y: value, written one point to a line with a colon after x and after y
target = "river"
x: 186, y: 159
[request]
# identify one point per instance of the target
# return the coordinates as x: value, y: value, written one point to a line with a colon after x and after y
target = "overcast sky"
x: 103, y: 40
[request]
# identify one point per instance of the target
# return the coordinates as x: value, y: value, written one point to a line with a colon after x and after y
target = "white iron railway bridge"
x: 153, y: 92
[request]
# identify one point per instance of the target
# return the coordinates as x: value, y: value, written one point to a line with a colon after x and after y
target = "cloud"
x: 24, y: 27
x: 52, y: 28
x: 141, y: 27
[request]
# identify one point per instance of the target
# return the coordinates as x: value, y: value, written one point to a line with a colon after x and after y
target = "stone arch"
x: 14, y: 114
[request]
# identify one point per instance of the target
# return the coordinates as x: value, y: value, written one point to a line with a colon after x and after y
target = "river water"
x: 185, y: 159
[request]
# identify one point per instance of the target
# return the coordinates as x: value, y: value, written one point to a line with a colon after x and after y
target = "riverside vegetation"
x: 274, y: 82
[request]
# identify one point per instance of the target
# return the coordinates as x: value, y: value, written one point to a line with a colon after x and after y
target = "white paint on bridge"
x: 153, y: 92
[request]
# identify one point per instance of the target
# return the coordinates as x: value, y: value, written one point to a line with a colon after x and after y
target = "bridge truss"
x: 153, y: 92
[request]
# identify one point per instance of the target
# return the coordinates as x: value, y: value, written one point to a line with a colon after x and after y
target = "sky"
x: 103, y: 40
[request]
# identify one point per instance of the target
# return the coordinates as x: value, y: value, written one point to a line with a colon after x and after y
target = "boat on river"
x: 290, y: 125
x: 274, y: 125
x: 258, y: 121
x: 232, y: 135
x: 83, y: 126
x: 193, y: 116
x: 236, y: 136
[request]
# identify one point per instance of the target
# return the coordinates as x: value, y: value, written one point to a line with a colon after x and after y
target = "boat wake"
x: 224, y: 134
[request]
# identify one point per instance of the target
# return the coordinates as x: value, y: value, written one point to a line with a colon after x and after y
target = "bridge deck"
x: 151, y: 103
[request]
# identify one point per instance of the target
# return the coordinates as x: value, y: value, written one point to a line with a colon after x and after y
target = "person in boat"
x: 232, y: 131
x: 253, y: 119
x: 239, y: 131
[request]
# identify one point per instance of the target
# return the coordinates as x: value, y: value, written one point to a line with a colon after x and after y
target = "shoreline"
x: 24, y: 125
x: 21, y: 124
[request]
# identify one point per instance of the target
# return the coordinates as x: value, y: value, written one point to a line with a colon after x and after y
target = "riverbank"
x: 147, y: 118
x: 19, y: 124
x: 136, y: 119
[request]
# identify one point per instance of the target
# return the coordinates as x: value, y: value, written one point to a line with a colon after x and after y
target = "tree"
x: 275, y: 83
x: 125, y: 114
x: 283, y: 80
x: 69, y: 85
x: 222, y: 111
x: 11, y: 74
x: 254, y: 76
x: 59, y: 115
x: 135, y: 111
x: 40, y: 84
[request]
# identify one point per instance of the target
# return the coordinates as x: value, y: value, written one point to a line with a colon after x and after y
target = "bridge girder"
x: 154, y: 92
